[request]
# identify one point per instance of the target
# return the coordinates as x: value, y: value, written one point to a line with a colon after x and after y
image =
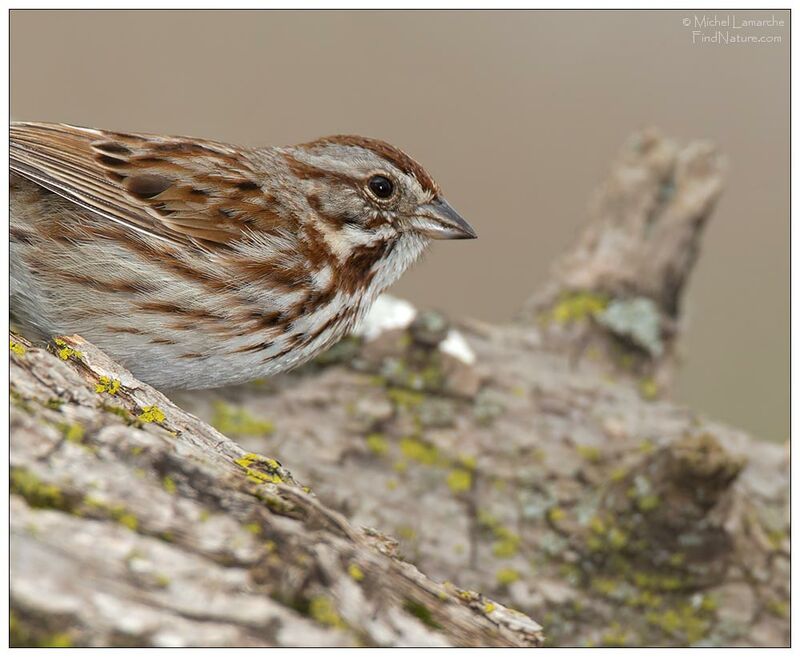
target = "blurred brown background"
x: 517, y: 114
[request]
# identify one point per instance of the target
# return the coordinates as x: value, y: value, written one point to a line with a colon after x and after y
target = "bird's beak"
x: 439, y: 221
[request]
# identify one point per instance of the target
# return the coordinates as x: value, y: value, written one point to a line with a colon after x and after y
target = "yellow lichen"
x: 107, y: 384
x: 64, y: 351
x: 127, y: 520
x: 322, y: 610
x: 151, y: 414
x: 416, y: 450
x: 576, y: 306
x: 17, y: 348
x: 260, y: 469
x: 355, y: 572
x: 618, y: 474
x: 459, y: 480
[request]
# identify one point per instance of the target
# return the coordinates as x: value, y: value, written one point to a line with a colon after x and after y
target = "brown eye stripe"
x: 306, y: 171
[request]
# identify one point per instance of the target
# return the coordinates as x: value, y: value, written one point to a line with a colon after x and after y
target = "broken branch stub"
x: 618, y: 291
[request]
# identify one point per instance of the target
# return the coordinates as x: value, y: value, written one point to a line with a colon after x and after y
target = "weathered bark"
x: 134, y: 523
x: 546, y: 473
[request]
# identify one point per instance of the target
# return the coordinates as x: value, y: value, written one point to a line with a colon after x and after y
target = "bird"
x: 200, y: 264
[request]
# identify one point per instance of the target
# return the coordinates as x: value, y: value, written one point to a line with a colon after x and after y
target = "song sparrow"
x: 200, y: 264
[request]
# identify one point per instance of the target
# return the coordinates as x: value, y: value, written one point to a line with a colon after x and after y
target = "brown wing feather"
x: 173, y: 188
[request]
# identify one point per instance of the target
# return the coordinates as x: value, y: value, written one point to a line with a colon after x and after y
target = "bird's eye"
x: 381, y: 187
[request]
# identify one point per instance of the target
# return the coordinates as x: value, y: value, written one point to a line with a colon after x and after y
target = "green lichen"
x: 459, y: 480
x: 588, y: 453
x: 322, y: 610
x: 507, y: 543
x: 647, y: 503
x: 605, y: 586
x: 253, y: 528
x: 416, y: 450
x: 401, y: 375
x: 644, y: 599
x: 615, y: 636
x: 646, y: 446
x: 406, y: 533
x: 72, y: 432
x: 120, y: 412
x: 151, y: 414
x: 506, y: 576
x: 234, y: 421
x: 64, y: 351
x: 169, y: 485
x: 17, y: 348
x: 605, y: 535
x: 779, y: 608
x: 406, y: 399
x: 260, y: 469
x: 116, y: 512
x: 108, y: 385
x: 618, y: 474
x: 36, y: 492
x: 682, y: 622
x: 648, y: 389
x: 422, y: 613
x: 377, y: 444
x: 657, y: 581
x: 54, y: 403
